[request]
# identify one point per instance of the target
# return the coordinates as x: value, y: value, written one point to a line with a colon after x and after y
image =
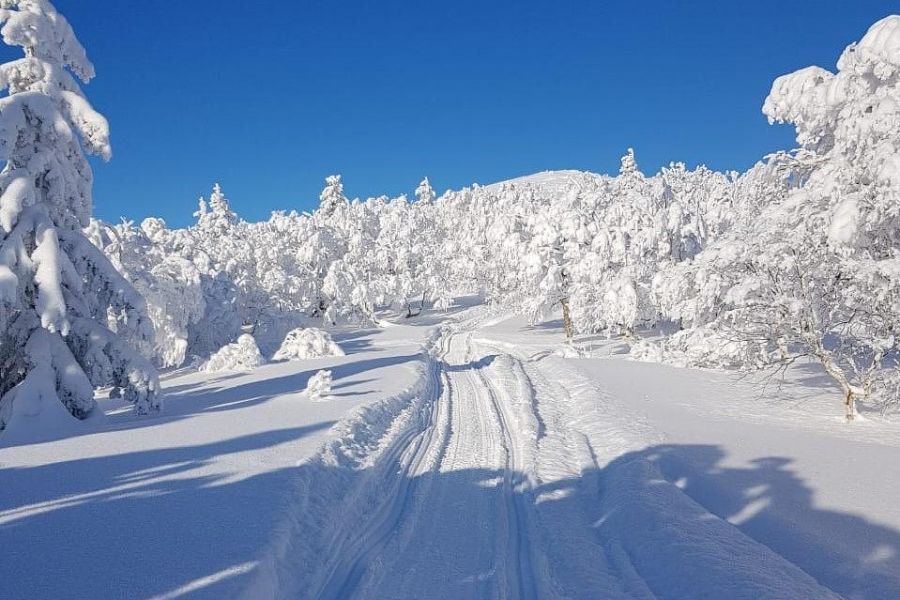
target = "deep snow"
x: 461, y: 455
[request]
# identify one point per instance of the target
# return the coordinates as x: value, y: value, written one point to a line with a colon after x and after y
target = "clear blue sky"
x: 269, y: 97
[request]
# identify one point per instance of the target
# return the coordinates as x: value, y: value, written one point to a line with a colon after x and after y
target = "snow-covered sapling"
x: 303, y: 344
x: 319, y: 386
x: 243, y: 355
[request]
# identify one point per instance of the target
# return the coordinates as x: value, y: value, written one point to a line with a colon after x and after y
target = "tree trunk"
x: 841, y: 378
x: 409, y: 309
x: 850, y: 404
x: 782, y: 348
x: 567, y: 319
x: 837, y: 373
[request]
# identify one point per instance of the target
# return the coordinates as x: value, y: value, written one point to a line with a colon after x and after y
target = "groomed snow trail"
x: 503, y: 477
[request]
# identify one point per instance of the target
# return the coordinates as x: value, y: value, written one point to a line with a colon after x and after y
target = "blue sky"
x: 269, y: 97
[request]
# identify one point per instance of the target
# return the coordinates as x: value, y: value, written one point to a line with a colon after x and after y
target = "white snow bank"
x: 303, y: 344
x: 242, y: 355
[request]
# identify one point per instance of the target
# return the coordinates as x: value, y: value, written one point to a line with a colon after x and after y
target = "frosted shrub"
x: 243, y: 355
x: 302, y: 344
x: 703, y: 347
x: 319, y: 386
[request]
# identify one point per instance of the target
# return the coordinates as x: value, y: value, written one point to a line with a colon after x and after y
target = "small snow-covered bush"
x: 301, y: 344
x: 319, y: 386
x: 702, y: 347
x: 243, y: 355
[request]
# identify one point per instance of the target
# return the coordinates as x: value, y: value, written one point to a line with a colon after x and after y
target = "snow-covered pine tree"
x: 332, y: 196
x: 425, y: 193
x: 219, y: 218
x: 64, y: 310
x: 629, y: 167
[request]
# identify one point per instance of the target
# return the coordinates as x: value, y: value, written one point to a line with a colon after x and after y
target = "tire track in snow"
x: 406, y: 456
x: 649, y: 536
x: 516, y: 490
x: 460, y: 473
x: 476, y: 458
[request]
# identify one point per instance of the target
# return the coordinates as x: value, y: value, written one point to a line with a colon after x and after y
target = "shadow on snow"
x: 87, y: 535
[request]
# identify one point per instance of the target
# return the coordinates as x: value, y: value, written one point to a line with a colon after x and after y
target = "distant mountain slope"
x: 550, y: 182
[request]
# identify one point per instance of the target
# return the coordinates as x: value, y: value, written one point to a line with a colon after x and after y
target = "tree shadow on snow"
x: 136, y: 524
x: 354, y: 341
x: 668, y: 522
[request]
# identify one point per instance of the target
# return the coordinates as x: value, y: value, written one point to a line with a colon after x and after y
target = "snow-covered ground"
x: 183, y: 504
x: 463, y: 456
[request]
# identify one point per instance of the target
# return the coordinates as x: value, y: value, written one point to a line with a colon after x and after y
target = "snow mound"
x: 319, y: 386
x: 243, y: 355
x: 302, y: 344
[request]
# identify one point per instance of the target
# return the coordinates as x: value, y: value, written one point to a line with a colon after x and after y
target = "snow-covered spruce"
x: 319, y: 386
x: 242, y: 355
x: 67, y: 317
x: 302, y: 344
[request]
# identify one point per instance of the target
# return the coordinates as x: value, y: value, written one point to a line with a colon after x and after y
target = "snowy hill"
x: 550, y: 183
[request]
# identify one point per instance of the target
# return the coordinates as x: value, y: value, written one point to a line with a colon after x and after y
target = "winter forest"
x: 688, y: 274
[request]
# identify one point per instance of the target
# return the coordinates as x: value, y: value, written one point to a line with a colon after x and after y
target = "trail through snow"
x: 515, y: 481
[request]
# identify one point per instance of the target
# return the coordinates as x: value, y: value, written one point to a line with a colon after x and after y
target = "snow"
x: 845, y: 223
x: 548, y: 182
x: 303, y: 344
x: 318, y: 388
x: 467, y: 454
x: 242, y: 355
x: 184, y: 504
x: 883, y: 40
x: 769, y: 460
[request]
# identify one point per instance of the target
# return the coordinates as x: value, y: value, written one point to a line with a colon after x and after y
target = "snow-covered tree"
x: 318, y: 388
x: 332, y: 196
x: 65, y: 312
x: 843, y: 223
x: 425, y: 193
x: 815, y: 270
x: 303, y: 344
x: 242, y: 355
x: 169, y: 283
x: 215, y: 217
